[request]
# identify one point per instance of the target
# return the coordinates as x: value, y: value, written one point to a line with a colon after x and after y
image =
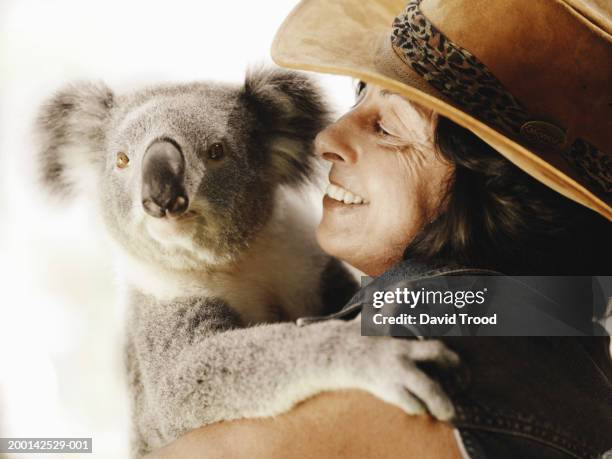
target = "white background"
x: 60, y: 328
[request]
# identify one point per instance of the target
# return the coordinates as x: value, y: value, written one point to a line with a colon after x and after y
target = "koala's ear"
x: 70, y: 131
x: 291, y: 112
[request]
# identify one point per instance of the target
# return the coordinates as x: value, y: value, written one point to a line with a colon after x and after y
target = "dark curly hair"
x: 498, y: 217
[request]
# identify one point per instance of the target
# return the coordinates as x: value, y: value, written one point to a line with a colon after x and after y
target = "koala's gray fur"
x: 210, y: 297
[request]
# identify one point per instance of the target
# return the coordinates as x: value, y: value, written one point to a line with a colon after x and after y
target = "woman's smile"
x: 336, y: 194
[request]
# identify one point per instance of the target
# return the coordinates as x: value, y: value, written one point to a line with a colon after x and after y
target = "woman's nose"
x: 334, y: 143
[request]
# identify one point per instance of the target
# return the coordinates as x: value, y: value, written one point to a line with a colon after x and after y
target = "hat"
x: 532, y: 78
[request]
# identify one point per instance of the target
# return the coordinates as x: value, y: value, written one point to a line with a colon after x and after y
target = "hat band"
x: 461, y: 77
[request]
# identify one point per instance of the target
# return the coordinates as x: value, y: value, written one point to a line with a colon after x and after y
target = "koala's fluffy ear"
x: 291, y: 112
x: 70, y: 130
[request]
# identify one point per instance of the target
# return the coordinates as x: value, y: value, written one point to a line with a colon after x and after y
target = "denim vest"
x: 521, y: 397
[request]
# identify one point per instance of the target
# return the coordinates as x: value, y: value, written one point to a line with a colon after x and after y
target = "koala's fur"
x: 211, y: 299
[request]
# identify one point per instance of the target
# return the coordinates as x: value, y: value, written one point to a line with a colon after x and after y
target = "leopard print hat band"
x: 462, y: 78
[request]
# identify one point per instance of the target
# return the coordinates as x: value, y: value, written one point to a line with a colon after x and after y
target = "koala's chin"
x: 185, y: 243
x: 172, y: 233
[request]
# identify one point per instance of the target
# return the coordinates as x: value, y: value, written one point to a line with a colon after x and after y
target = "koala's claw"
x: 390, y: 372
x: 435, y: 351
x: 398, y: 395
x: 412, y: 389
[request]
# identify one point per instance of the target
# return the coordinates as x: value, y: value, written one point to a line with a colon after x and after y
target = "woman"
x: 438, y: 165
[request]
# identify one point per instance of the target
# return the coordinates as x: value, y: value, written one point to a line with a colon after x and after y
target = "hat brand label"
x: 543, y: 134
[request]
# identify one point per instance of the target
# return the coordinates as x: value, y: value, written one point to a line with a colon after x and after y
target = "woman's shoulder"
x: 555, y: 392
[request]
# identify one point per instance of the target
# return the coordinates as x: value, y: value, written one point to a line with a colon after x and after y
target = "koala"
x: 198, y: 186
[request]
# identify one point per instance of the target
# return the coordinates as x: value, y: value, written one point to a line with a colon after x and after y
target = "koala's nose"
x: 163, y: 180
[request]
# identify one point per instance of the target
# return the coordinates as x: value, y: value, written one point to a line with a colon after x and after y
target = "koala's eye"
x: 122, y: 160
x: 216, y: 151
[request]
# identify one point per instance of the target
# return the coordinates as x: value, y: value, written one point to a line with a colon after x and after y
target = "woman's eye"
x: 381, y: 130
x: 216, y: 151
x: 122, y: 161
x: 359, y: 88
x: 359, y: 91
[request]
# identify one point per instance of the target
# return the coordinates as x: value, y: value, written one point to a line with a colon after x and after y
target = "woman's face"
x: 386, y: 179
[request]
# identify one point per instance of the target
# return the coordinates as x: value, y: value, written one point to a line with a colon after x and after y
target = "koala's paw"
x: 387, y: 368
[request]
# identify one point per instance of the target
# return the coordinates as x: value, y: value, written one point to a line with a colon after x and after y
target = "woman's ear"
x: 71, y: 131
x: 290, y: 111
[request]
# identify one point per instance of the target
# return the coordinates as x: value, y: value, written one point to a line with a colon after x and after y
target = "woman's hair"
x: 498, y: 217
